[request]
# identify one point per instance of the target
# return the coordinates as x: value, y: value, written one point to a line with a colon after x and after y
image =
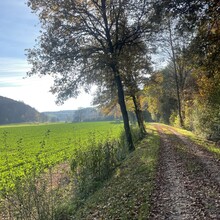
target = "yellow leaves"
x: 205, y: 86
x: 159, y: 78
x: 55, y: 8
x: 153, y: 105
x: 129, y: 104
x: 112, y: 109
x: 153, y: 92
x: 209, y: 86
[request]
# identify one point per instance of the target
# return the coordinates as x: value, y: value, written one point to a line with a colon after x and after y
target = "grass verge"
x: 127, y: 194
x: 203, y: 143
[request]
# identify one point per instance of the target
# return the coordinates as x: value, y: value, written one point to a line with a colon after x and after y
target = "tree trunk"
x: 121, y: 101
x: 139, y: 115
x: 176, y: 77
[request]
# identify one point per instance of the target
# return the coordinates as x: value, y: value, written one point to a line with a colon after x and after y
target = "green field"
x: 23, y: 147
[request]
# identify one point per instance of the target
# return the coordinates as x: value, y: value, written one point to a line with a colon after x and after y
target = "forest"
x: 186, y: 91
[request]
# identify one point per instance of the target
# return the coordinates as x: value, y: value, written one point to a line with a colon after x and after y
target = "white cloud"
x: 13, y: 65
x: 33, y: 91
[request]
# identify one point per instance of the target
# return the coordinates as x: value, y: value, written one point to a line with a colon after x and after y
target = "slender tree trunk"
x: 139, y: 115
x: 176, y: 77
x: 121, y: 101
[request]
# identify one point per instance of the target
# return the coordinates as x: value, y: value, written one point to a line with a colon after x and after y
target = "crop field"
x: 23, y: 147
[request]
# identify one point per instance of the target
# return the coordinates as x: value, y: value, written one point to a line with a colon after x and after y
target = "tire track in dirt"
x: 205, y: 183
x: 171, y: 199
x: 182, y: 193
x: 211, y: 164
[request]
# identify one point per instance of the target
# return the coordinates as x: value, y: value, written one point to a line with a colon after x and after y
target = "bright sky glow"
x: 18, y: 30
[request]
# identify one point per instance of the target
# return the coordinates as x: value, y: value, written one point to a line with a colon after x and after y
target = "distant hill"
x: 12, y: 111
x: 82, y: 114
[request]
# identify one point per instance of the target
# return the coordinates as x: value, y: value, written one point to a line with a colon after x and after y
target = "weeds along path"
x: 187, y: 184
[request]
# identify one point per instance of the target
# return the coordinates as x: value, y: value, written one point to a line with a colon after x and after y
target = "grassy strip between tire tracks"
x: 127, y: 194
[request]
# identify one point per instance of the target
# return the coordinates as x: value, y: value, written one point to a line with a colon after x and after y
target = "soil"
x: 187, y: 180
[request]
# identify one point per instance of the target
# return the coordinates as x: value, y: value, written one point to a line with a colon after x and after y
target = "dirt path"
x: 188, y: 185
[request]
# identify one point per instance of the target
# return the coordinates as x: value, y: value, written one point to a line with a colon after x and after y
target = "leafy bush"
x: 174, y: 119
x: 205, y: 120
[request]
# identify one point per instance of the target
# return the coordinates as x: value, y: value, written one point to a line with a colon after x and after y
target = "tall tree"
x: 80, y: 38
x: 135, y: 66
x: 173, y: 58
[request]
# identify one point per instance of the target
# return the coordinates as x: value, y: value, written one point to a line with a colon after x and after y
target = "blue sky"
x: 18, y: 30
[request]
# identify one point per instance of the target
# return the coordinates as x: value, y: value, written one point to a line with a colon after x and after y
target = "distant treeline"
x: 12, y: 111
x: 88, y: 114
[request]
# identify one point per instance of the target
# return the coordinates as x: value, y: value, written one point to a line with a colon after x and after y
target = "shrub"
x: 174, y: 119
x: 94, y: 165
x: 205, y: 120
